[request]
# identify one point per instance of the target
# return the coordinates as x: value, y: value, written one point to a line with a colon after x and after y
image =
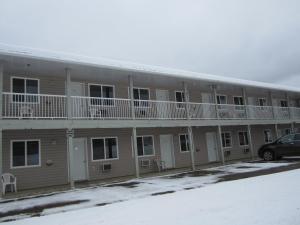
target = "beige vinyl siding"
x: 53, y: 147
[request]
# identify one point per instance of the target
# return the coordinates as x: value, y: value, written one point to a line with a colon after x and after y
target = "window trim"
x: 25, y: 166
x: 230, y: 139
x: 105, y: 159
x: 244, y: 131
x: 25, y: 91
x: 187, y: 146
x: 142, y: 136
x: 138, y: 100
x: 178, y: 103
x: 101, y: 85
x: 265, y: 137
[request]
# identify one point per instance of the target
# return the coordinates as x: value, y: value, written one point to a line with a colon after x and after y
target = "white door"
x: 207, y: 110
x: 212, y: 148
x: 162, y: 109
x: 252, y: 109
x: 166, y: 149
x: 79, y: 109
x: 78, y: 167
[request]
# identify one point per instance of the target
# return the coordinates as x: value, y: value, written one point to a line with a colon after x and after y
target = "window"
x: 287, y: 138
x: 25, y: 153
x: 141, y: 97
x: 243, y: 138
x: 268, y: 136
x: 283, y: 103
x: 184, y: 142
x: 101, y: 94
x: 226, y: 140
x: 221, y: 99
x: 145, y: 145
x: 239, y: 101
x: 297, y: 137
x: 180, y: 98
x: 104, y: 148
x: 26, y: 89
x: 287, y: 131
x: 262, y: 102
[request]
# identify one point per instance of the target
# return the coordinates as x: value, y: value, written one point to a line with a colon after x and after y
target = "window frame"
x: 243, y: 131
x: 180, y: 105
x: 259, y: 101
x: 283, y: 100
x: 139, y: 100
x: 102, y: 85
x: 142, y: 136
x: 25, y: 90
x: 187, y: 142
x: 269, y: 130
x: 25, y: 166
x: 105, y: 159
x: 231, y: 143
x: 218, y: 97
x: 239, y: 107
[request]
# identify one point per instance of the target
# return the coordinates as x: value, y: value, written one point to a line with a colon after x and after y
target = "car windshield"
x: 287, y: 138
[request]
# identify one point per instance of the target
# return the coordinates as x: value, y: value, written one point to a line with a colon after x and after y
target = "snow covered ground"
x: 133, y: 189
x: 263, y: 200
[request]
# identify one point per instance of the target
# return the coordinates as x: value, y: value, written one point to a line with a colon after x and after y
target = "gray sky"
x: 253, y: 39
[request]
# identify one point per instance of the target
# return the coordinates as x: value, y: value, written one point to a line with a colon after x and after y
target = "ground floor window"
x: 268, y: 136
x: 104, y: 148
x: 145, y: 145
x: 184, y: 142
x: 25, y: 153
x: 243, y: 138
x: 226, y: 140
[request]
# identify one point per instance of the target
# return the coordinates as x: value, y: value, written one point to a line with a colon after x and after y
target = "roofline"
x: 69, y: 59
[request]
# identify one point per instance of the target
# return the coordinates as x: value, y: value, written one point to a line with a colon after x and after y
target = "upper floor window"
x: 25, y: 89
x: 268, y: 136
x: 226, y: 140
x: 104, y: 148
x: 221, y: 99
x: 243, y: 138
x: 180, y: 98
x: 101, y: 94
x: 141, y: 97
x: 25, y: 153
x: 184, y: 143
x: 145, y: 145
x: 283, y: 103
x: 262, y: 102
x: 239, y: 102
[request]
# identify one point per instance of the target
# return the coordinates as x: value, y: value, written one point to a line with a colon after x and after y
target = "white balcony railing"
x: 40, y: 106
x: 22, y: 106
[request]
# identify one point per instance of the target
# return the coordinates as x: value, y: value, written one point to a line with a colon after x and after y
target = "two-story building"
x: 67, y: 118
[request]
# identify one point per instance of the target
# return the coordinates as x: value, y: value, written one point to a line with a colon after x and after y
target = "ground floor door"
x: 212, y: 147
x: 166, y: 149
x: 79, y: 167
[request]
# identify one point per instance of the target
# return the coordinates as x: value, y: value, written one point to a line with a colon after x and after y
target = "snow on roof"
x: 39, y: 54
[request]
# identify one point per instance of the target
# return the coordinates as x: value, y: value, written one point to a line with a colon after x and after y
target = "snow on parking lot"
x: 262, y: 200
x: 133, y: 189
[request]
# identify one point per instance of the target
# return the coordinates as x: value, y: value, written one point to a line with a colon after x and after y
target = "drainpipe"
x: 134, y: 136
x: 190, y: 129
x: 250, y: 141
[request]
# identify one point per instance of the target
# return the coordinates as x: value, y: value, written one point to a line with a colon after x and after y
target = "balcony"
x: 53, y: 107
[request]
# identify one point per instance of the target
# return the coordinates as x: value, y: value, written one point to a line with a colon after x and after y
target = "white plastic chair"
x: 8, y: 180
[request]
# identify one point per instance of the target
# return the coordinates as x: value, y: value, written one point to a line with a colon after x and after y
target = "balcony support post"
x: 1, y: 90
x: 135, y: 150
x: 271, y: 104
x: 220, y: 144
x: 70, y: 135
x: 130, y: 81
x: 293, y: 127
x: 245, y: 102
x: 190, y: 129
x: 216, y: 101
x: 288, y: 105
x: 276, y: 131
x: 68, y: 93
x: 250, y: 141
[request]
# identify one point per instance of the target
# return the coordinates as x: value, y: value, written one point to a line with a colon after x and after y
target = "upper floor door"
x: 162, y: 110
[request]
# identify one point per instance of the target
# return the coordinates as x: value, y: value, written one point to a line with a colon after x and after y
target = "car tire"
x: 268, y: 155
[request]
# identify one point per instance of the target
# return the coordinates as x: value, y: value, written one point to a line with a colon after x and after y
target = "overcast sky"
x: 253, y: 39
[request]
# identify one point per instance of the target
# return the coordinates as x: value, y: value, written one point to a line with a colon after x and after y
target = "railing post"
x: 1, y: 90
x: 250, y: 141
x: 271, y: 103
x: 68, y: 93
x: 221, y: 145
x: 216, y: 101
x: 70, y: 135
x: 245, y: 102
x: 190, y: 129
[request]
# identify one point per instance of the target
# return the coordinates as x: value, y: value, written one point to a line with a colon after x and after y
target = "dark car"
x: 288, y: 145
